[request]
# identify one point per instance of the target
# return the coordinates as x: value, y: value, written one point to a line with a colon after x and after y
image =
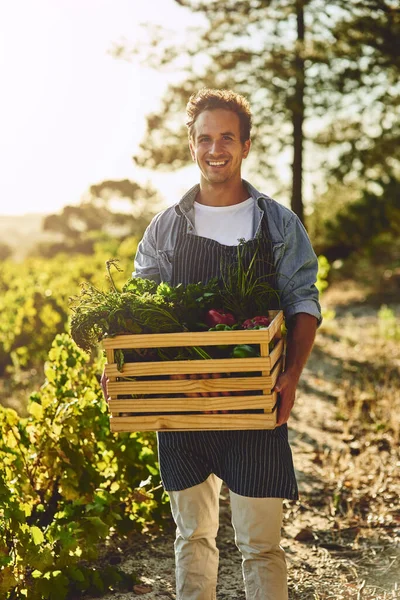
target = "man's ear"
x: 246, y: 148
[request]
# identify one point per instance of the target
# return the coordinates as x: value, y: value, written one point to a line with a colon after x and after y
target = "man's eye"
x: 228, y: 137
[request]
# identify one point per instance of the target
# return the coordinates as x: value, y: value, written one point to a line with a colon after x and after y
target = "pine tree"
x: 302, y: 64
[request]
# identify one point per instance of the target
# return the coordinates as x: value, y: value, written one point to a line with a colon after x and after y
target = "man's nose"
x: 216, y: 147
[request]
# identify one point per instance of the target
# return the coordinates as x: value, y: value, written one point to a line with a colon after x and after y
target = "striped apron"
x: 255, y: 463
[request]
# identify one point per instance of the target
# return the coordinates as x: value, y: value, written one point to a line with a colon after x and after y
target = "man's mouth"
x: 217, y: 163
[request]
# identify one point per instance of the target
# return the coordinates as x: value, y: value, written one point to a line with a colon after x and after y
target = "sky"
x: 71, y: 115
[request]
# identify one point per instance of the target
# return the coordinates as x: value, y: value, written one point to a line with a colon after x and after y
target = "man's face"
x: 216, y: 146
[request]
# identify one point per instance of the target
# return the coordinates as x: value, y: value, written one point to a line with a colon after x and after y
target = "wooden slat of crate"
x: 190, y: 386
x: 193, y: 422
x: 218, y: 365
x: 196, y: 338
x: 148, y: 405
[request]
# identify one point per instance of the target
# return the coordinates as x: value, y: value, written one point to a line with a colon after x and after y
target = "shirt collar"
x: 187, y: 201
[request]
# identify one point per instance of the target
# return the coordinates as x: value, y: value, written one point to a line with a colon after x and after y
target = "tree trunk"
x: 298, y: 115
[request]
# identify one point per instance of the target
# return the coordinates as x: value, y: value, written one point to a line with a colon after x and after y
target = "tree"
x: 117, y: 209
x: 366, y: 83
x: 290, y: 58
x: 357, y: 225
x: 5, y: 251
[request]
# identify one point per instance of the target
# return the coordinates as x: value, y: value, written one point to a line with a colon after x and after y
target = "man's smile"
x: 217, y: 163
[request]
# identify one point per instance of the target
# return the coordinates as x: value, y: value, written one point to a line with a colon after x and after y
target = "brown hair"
x: 209, y: 99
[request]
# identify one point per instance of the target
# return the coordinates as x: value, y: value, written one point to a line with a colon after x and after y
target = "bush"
x: 67, y: 483
x: 34, y: 302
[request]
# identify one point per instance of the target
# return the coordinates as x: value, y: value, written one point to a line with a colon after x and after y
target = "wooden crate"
x: 162, y: 404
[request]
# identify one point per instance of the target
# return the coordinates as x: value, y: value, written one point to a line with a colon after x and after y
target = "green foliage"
x: 67, y: 483
x: 366, y: 71
x: 366, y: 218
x: 369, y: 224
x: 388, y: 324
x: 323, y: 272
x: 341, y: 75
x: 34, y: 303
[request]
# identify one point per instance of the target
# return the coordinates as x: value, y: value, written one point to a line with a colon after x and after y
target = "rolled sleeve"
x: 297, y: 271
x: 146, y: 263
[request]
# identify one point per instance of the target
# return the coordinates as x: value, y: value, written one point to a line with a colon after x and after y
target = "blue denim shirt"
x: 295, y: 260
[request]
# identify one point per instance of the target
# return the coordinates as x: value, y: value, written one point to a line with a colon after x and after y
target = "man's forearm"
x: 300, y: 339
x: 299, y: 342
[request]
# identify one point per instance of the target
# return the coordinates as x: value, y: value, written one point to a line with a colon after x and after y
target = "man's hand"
x: 299, y: 341
x: 286, y: 388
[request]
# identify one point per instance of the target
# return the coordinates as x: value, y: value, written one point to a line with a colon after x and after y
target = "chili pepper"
x: 244, y: 351
x: 256, y: 323
x: 215, y: 317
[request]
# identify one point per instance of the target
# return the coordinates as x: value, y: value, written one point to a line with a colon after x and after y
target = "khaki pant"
x: 257, y: 523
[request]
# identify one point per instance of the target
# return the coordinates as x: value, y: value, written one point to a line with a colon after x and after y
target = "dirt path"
x: 330, y: 552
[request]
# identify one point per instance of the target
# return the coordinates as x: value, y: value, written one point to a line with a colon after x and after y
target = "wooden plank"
x: 198, y: 338
x: 276, y: 372
x: 276, y: 325
x: 111, y: 378
x: 277, y: 352
x: 193, y: 404
x: 168, y: 367
x: 193, y: 422
x: 190, y: 386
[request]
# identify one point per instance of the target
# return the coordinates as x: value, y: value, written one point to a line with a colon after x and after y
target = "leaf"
x: 36, y: 410
x: 37, y: 535
x: 99, y: 525
x: 306, y: 535
x: 36, y: 574
x: 76, y: 574
x: 7, y: 581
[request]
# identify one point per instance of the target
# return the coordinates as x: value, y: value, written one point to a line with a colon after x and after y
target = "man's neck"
x: 222, y: 194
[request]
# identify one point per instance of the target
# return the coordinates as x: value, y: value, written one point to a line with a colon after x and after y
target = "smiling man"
x: 216, y: 145
x: 187, y: 243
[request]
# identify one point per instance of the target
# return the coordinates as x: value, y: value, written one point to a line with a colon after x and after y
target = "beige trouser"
x: 257, y: 523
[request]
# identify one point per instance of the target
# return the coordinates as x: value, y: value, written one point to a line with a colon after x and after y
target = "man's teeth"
x: 216, y: 163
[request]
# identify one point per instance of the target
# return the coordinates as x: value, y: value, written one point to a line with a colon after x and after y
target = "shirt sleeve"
x: 146, y: 263
x: 297, y: 269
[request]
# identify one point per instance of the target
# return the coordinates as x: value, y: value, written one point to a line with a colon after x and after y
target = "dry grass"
x: 350, y: 547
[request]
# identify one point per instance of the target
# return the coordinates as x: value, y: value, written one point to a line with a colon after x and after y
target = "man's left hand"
x: 286, y: 388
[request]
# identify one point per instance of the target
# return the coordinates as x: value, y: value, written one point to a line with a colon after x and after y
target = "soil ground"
x: 340, y: 542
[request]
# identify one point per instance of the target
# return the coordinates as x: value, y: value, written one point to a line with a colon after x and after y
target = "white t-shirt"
x: 225, y: 224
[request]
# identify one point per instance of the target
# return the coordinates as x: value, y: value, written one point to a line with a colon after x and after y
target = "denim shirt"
x: 295, y: 260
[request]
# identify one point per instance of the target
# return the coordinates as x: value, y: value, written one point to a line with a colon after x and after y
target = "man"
x: 186, y: 243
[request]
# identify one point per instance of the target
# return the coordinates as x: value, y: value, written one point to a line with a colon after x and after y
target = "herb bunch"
x: 243, y: 292
x: 142, y: 306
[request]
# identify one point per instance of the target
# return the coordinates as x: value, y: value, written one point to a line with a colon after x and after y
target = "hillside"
x: 22, y: 232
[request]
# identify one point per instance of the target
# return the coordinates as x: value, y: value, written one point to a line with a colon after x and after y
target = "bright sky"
x: 70, y: 114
